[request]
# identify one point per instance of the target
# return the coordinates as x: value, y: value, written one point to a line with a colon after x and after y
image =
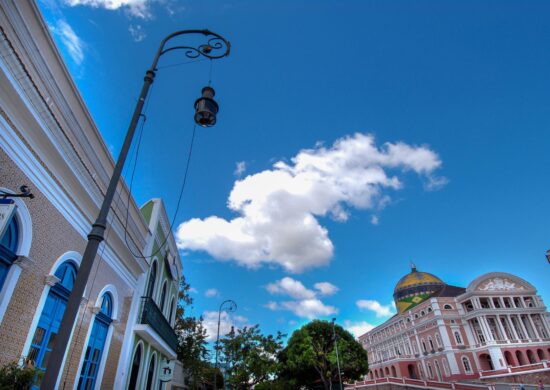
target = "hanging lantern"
x: 206, y: 108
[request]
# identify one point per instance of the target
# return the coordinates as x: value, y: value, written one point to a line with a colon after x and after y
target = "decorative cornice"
x: 51, y: 280
x: 24, y: 262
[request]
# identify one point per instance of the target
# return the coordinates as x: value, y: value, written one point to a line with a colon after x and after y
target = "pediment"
x: 500, y: 281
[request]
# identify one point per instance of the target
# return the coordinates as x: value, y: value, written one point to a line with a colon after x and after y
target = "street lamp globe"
x: 206, y: 108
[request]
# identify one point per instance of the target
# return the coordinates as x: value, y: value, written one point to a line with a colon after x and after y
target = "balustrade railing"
x: 151, y: 315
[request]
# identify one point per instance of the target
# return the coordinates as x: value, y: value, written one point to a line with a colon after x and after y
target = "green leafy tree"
x: 15, y: 377
x: 249, y: 356
x: 192, y: 348
x: 310, y: 356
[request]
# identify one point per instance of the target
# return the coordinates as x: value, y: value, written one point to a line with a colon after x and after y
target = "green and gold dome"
x: 415, y: 288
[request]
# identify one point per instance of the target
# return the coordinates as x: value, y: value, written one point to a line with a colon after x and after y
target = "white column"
x: 502, y: 330
x: 523, y: 327
x: 485, y: 328
x: 512, y: 327
x: 128, y: 341
x: 535, y: 331
x: 545, y: 323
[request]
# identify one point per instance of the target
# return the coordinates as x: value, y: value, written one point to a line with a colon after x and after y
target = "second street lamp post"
x: 206, y: 108
x: 337, y: 357
x: 231, y: 307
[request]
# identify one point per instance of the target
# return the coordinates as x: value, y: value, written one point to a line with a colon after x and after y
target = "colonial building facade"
x: 123, y: 336
x: 498, y: 325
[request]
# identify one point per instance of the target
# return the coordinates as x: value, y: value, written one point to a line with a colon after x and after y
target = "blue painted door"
x: 8, y: 247
x: 96, y: 344
x: 52, y: 313
x: 92, y: 358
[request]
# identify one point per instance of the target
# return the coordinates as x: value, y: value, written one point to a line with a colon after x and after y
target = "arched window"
x: 438, y: 370
x: 424, y: 349
x: 96, y: 344
x: 163, y: 296
x: 457, y: 337
x: 466, y: 364
x: 430, y: 371
x: 152, y: 280
x: 172, y: 313
x: 151, y: 372
x: 447, y: 307
x: 438, y: 340
x: 52, y: 313
x: 445, y: 366
x: 136, y: 365
x: 9, y: 242
x: 431, y: 344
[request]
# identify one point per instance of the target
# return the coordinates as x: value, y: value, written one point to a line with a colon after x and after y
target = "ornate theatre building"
x: 498, y: 326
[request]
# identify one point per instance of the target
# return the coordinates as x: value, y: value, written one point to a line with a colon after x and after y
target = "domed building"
x: 496, y: 329
x: 415, y: 288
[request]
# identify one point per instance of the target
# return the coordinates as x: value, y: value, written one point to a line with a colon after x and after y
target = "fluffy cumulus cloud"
x: 326, y: 288
x: 278, y: 209
x: 136, y: 8
x: 357, y: 328
x: 306, y: 302
x: 211, y: 292
x: 71, y: 41
x: 210, y: 321
x: 376, y: 307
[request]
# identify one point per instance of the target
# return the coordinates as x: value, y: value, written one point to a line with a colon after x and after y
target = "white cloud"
x: 210, y: 322
x: 374, y: 220
x: 193, y: 290
x: 326, y: 288
x: 240, y: 168
x: 306, y: 303
x: 135, y: 8
x: 137, y: 32
x: 211, y: 292
x: 309, y: 308
x: 279, y: 208
x: 376, y: 307
x: 293, y: 288
x: 358, y: 328
x: 71, y: 41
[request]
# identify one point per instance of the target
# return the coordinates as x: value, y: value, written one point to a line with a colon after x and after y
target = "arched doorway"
x: 393, y: 372
x: 485, y: 362
x: 136, y: 364
x: 411, y: 371
x: 96, y: 344
x: 520, y: 358
x: 540, y: 354
x: 52, y: 313
x: 151, y: 372
x: 531, y: 357
x: 387, y: 371
x: 509, y: 359
x: 9, y: 241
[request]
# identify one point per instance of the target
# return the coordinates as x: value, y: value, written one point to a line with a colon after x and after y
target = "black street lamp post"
x: 231, y: 306
x: 215, y: 47
x: 337, y: 357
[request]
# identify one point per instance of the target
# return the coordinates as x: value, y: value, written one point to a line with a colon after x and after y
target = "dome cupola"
x: 414, y: 288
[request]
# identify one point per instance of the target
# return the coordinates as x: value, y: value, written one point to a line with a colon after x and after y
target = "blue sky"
x: 353, y: 137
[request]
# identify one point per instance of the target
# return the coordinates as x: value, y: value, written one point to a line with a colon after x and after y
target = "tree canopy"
x: 249, y: 356
x: 309, y: 358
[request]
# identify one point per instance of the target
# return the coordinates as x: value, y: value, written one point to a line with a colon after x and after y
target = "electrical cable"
x: 180, y: 197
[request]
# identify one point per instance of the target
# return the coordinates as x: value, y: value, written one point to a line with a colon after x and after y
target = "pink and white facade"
x: 498, y: 325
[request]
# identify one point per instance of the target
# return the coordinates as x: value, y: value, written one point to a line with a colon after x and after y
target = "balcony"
x: 156, y: 329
